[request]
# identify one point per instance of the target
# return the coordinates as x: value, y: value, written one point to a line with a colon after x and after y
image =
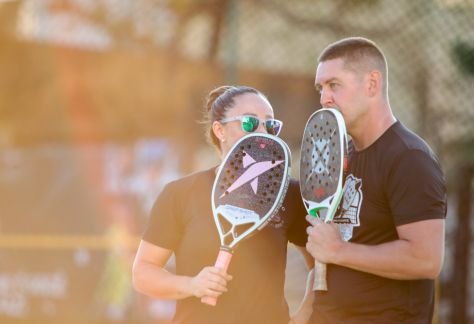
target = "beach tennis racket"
x: 322, y: 165
x: 248, y: 190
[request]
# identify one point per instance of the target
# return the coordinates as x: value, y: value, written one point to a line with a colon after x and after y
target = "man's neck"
x: 372, y: 127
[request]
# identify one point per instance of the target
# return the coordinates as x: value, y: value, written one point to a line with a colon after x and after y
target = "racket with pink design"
x: 248, y: 191
x: 322, y: 165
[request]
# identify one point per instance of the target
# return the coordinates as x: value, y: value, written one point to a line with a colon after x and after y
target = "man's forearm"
x: 395, y: 260
x: 417, y: 254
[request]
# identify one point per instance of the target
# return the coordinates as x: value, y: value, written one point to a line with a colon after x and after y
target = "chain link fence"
x: 81, y: 71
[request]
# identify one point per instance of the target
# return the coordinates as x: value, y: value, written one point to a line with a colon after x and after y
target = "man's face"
x: 342, y: 89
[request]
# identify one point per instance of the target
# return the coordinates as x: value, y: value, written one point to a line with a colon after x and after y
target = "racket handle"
x: 222, y: 262
x: 320, y: 283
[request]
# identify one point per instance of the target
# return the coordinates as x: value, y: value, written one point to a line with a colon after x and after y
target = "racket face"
x: 323, y: 154
x: 250, y: 186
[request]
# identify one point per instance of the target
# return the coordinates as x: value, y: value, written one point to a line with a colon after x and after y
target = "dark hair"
x: 218, y: 102
x: 359, y: 54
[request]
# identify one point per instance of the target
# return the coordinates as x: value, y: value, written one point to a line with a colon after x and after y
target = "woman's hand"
x: 211, y: 281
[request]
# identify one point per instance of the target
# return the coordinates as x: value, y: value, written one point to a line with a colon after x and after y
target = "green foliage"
x: 463, y: 55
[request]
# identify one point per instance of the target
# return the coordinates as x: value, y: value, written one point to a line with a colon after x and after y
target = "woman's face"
x: 247, y: 104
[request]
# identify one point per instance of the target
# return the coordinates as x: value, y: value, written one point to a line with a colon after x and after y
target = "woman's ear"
x: 218, y: 131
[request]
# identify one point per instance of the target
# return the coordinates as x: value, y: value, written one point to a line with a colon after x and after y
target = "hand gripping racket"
x: 248, y: 191
x: 322, y: 165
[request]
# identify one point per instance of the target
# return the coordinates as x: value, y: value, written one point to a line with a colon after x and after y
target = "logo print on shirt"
x: 255, y: 169
x: 348, y: 217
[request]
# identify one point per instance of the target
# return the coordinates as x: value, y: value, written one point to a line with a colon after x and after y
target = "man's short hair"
x: 359, y: 54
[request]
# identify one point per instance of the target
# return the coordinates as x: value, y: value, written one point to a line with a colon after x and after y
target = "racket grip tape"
x: 320, y: 283
x: 222, y: 262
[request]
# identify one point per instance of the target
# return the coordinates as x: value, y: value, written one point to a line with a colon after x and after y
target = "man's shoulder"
x: 400, y: 141
x: 406, y: 149
x: 408, y: 139
x: 400, y: 145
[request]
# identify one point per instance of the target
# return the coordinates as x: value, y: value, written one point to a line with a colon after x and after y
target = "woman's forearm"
x: 157, y: 282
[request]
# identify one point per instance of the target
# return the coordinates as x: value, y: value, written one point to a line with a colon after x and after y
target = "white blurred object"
x: 82, y: 257
x: 162, y: 309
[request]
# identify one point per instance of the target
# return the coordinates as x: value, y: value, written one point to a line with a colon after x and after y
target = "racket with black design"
x: 248, y: 190
x: 322, y: 165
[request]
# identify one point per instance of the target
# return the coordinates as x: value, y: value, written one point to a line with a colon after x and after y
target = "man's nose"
x: 326, y: 98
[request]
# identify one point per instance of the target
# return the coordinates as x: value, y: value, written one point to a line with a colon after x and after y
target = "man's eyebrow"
x: 318, y: 85
x: 331, y: 80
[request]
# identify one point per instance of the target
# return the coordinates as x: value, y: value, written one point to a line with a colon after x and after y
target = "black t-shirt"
x: 395, y: 181
x: 182, y: 221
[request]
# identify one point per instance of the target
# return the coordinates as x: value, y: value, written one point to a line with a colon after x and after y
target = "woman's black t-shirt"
x: 182, y: 221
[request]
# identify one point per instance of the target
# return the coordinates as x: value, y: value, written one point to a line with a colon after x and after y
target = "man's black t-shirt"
x: 182, y: 221
x: 395, y: 181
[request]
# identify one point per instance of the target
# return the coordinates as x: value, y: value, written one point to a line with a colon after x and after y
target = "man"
x: 385, y: 250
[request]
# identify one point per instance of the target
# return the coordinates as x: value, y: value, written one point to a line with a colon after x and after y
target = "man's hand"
x: 324, y: 240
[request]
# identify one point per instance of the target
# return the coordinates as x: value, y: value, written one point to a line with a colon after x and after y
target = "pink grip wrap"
x: 222, y: 262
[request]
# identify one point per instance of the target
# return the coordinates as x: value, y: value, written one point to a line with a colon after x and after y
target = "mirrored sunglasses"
x: 250, y: 124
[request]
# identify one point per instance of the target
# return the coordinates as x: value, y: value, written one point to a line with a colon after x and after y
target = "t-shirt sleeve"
x: 164, y: 228
x: 297, y: 231
x: 416, y: 188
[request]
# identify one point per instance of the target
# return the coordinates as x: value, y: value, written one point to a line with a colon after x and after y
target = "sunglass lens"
x: 249, y: 124
x: 273, y: 126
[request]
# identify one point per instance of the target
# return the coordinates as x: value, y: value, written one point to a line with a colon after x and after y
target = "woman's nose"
x: 261, y: 127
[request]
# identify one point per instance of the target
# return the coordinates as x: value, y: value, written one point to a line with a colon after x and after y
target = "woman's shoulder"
x: 189, y: 180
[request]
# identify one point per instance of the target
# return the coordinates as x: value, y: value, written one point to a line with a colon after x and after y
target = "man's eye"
x: 332, y: 85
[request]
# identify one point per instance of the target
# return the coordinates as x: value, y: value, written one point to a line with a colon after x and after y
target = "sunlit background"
x: 100, y: 103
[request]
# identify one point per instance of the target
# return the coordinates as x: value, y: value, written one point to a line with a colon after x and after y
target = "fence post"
x: 459, y: 280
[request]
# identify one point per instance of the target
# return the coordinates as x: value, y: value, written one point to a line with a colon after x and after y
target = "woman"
x: 182, y: 223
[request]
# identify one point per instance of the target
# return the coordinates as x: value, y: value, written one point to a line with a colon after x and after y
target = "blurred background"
x: 99, y: 108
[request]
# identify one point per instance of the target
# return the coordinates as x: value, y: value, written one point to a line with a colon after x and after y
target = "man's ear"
x: 374, y: 83
x: 218, y: 131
